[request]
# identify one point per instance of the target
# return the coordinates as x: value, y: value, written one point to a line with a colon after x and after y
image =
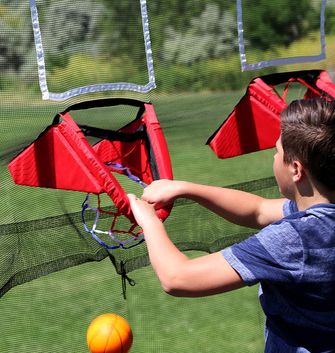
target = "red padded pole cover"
x: 254, y: 123
x: 62, y: 158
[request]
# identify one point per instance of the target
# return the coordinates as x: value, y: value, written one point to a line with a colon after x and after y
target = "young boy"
x: 292, y: 257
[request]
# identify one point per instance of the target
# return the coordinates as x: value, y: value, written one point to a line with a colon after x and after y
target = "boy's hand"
x: 163, y: 192
x: 143, y: 212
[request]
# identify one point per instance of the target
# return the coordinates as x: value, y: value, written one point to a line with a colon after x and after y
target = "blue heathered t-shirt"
x: 294, y: 261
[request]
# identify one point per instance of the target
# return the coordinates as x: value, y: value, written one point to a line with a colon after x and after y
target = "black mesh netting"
x: 37, y: 247
x: 42, y: 233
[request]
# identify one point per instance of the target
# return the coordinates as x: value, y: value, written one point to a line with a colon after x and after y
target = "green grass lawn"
x: 51, y: 314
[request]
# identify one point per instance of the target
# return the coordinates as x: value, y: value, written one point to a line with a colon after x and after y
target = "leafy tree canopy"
x: 268, y: 23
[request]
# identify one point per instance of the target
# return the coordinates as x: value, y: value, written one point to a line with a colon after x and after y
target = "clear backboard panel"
x: 295, y: 53
x: 75, y: 41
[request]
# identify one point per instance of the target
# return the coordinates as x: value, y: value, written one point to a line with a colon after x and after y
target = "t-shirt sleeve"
x: 289, y: 208
x: 274, y: 254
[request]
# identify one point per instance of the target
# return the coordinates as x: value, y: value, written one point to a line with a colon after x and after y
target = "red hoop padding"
x: 62, y: 158
x: 254, y: 124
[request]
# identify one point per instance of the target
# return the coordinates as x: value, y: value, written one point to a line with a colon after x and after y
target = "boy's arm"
x: 179, y: 275
x: 236, y: 206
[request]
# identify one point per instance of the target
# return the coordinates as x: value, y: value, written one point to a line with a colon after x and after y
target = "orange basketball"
x: 109, y: 333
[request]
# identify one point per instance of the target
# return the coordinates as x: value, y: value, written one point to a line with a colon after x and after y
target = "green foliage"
x: 124, y: 35
x: 83, y: 69
x: 15, y: 37
x: 205, y: 75
x: 194, y: 42
x: 76, y: 25
x: 278, y: 22
x: 330, y: 18
x: 210, y: 35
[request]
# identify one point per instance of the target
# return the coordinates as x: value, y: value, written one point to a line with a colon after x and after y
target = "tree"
x: 15, y: 36
x: 70, y: 27
x: 330, y: 18
x: 274, y: 23
x: 210, y: 35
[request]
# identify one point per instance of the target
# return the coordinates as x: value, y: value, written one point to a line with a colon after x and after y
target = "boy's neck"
x: 305, y: 201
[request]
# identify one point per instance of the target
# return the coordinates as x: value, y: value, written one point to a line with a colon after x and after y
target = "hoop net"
x: 117, y: 238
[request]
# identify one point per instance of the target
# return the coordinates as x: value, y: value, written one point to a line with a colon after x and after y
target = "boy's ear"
x: 297, y: 171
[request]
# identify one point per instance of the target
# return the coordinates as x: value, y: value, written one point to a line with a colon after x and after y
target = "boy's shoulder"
x: 315, y: 226
x: 290, y: 210
x: 279, y: 251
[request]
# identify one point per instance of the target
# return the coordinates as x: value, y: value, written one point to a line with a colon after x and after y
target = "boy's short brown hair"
x: 308, y: 135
